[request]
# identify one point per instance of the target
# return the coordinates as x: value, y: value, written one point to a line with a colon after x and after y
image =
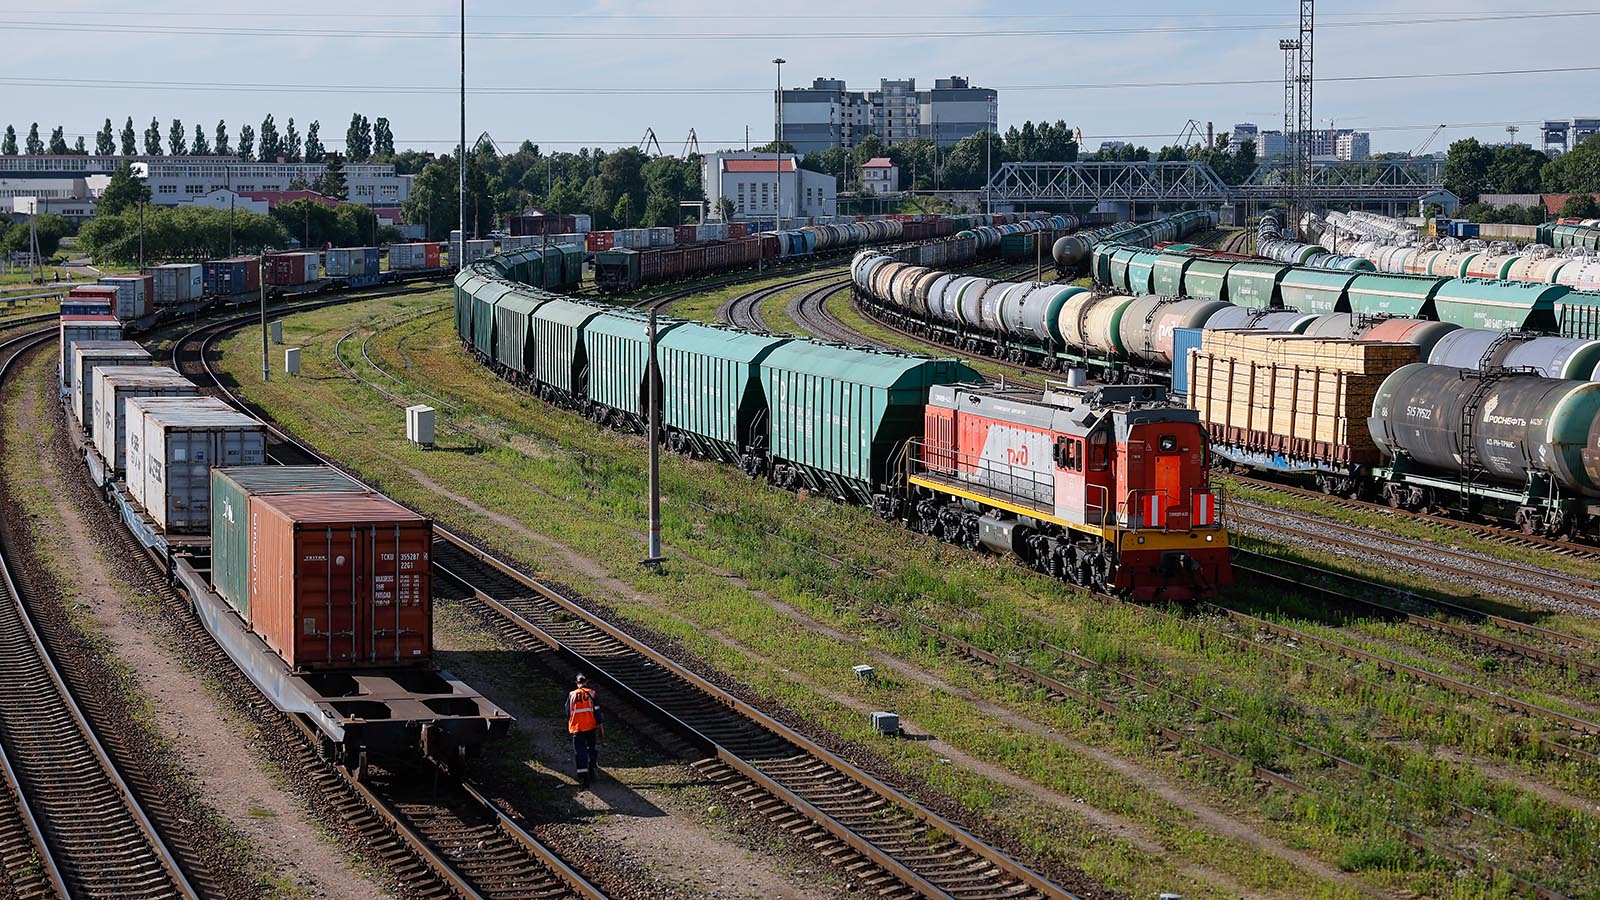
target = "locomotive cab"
x: 1104, y: 486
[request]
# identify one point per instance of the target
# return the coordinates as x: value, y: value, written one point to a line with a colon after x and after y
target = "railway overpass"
x: 1391, y: 184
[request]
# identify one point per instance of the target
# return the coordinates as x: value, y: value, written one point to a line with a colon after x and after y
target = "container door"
x: 329, y: 584
x: 393, y: 625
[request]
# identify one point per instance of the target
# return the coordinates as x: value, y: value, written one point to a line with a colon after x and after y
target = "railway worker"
x: 586, y: 726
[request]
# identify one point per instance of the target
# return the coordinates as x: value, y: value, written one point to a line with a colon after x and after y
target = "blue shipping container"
x: 225, y: 276
x: 1183, y: 340
x: 371, y: 260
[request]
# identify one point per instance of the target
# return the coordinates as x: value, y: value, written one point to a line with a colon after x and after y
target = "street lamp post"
x: 777, y: 151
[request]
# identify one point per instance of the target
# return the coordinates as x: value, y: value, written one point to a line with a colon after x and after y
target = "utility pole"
x: 461, y: 160
x: 988, y: 207
x: 141, y: 235
x: 777, y: 149
x: 261, y: 277
x: 653, y: 409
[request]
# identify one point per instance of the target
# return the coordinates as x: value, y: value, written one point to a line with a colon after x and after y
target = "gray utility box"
x: 886, y: 723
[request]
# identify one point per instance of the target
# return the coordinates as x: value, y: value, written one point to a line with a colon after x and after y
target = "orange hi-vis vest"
x: 580, y: 711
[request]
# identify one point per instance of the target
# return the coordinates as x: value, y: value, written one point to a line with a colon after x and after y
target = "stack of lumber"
x: 1301, y: 397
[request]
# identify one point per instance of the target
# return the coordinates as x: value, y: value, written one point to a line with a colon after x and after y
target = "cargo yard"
x: 915, y: 505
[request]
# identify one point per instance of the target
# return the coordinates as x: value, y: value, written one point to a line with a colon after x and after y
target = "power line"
x: 244, y: 87
x: 657, y: 35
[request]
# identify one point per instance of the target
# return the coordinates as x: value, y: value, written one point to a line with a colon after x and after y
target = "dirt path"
x: 208, y: 739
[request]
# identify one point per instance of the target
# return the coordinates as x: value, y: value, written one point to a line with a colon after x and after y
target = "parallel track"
x: 453, y: 837
x: 898, y: 846
x: 91, y: 834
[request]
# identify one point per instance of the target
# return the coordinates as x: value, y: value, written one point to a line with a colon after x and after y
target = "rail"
x: 50, y: 746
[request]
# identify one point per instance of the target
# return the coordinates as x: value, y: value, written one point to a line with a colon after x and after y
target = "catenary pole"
x: 460, y: 250
x: 261, y: 276
x: 653, y: 410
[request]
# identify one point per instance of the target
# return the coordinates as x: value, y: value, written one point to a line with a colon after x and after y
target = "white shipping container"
x: 631, y: 238
x: 713, y: 232
x: 407, y: 256
x: 131, y: 301
x: 113, y: 385
x: 73, y: 333
x: 89, y: 355
x: 178, y: 283
x: 661, y: 237
x: 172, y: 445
x: 582, y: 223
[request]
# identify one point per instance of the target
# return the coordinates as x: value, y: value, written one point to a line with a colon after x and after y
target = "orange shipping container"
x: 339, y: 581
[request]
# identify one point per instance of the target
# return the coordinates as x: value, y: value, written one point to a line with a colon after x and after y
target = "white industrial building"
x: 180, y: 179
x: 1326, y: 143
x: 755, y: 182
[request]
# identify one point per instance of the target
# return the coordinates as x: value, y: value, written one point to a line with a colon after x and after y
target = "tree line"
x: 621, y: 189
x: 1473, y: 169
x: 365, y: 141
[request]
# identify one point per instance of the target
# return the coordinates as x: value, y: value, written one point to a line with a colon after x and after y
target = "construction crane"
x: 1423, y: 147
x: 691, y: 145
x: 648, y: 141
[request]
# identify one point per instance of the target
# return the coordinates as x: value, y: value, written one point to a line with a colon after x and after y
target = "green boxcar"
x: 1578, y: 315
x: 1140, y: 266
x: 1392, y: 295
x: 1018, y: 246
x: 571, y: 266
x: 562, y: 360
x: 618, y: 344
x: 231, y: 489
x: 1207, y: 279
x: 1100, y: 262
x: 467, y: 284
x: 483, y: 303
x: 1255, y: 285
x: 1117, y: 267
x: 513, y: 330
x: 1166, y: 275
x: 712, y: 387
x: 839, y: 416
x: 1498, y: 305
x: 1316, y: 291
x: 616, y: 269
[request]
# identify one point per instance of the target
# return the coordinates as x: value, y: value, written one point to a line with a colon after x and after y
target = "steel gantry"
x: 1367, y: 181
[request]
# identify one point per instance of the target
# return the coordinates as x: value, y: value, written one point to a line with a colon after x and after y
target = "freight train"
x: 1502, y: 341
x: 182, y: 288
x: 1567, y: 253
x: 316, y: 587
x: 626, y: 268
x: 1103, y: 486
x: 1045, y: 324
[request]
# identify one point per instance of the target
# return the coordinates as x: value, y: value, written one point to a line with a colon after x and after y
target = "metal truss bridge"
x: 1368, y: 181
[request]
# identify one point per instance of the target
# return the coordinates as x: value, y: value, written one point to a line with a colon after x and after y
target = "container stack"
x: 172, y: 443
x: 113, y: 387
x: 90, y: 355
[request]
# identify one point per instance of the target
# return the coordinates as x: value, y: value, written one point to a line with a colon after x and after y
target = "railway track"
x: 454, y: 841
x: 897, y: 846
x: 89, y: 833
x: 1464, y: 565
x: 1498, y: 534
x: 744, y: 311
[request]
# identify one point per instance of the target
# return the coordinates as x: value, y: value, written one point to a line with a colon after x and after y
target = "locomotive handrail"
x: 1037, y: 492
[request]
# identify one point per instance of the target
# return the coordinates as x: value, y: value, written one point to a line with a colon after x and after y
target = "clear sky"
x: 572, y: 73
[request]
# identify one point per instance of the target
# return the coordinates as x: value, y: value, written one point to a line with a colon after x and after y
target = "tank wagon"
x: 873, y: 428
x: 1369, y: 419
x: 317, y: 588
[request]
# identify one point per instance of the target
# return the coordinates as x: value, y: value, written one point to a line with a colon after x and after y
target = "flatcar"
x: 341, y: 633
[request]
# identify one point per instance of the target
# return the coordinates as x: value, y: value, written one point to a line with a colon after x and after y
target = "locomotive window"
x: 1169, y: 443
x: 1099, y: 451
x: 1069, y: 455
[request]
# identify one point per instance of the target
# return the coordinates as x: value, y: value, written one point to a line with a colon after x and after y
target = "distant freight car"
x: 239, y: 275
x: 136, y: 295
x: 178, y: 283
x: 291, y: 269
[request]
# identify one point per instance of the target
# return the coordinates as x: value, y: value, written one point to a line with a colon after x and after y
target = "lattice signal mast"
x: 1298, y: 119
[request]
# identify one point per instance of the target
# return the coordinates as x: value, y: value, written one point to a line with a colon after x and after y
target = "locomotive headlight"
x: 1169, y: 443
